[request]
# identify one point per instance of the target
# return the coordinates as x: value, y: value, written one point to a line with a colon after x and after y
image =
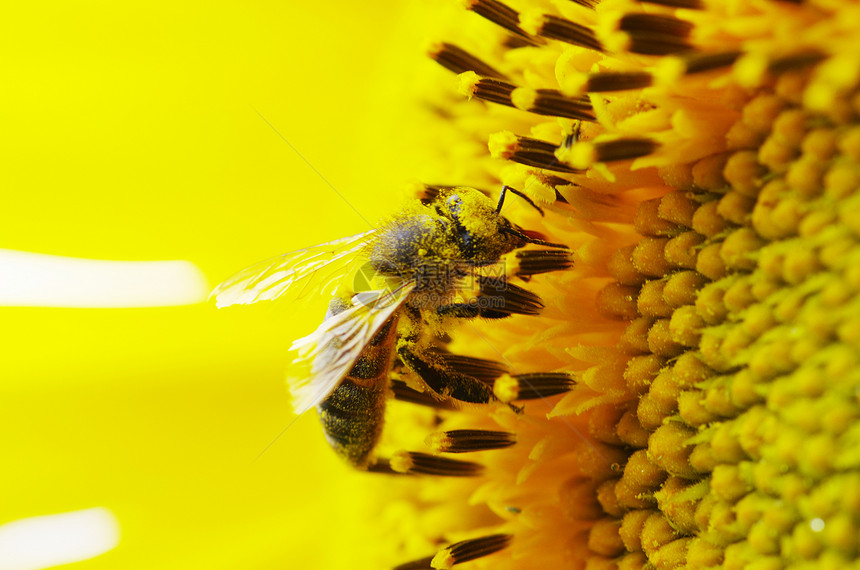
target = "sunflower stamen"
x: 381, y: 465
x: 506, y: 299
x: 528, y: 151
x: 655, y: 24
x: 561, y: 29
x: 702, y: 62
x: 532, y: 386
x: 415, y: 463
x: 501, y: 15
x: 420, y: 564
x: 537, y: 261
x: 795, y: 61
x: 603, y: 82
x: 689, y: 4
x: 480, y: 368
x: 754, y: 69
x: 587, y: 3
x: 470, y: 550
x: 584, y: 155
x: 648, y: 34
x: 488, y: 89
x: 469, y: 440
x: 552, y: 103
x: 649, y: 43
x: 458, y: 60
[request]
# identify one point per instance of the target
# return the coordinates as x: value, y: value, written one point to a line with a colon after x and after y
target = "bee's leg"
x: 459, y: 310
x: 486, y: 371
x: 404, y: 393
x: 445, y: 381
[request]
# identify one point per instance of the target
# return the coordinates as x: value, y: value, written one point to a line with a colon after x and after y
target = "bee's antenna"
x: 502, y: 199
x: 535, y: 241
x: 505, y: 188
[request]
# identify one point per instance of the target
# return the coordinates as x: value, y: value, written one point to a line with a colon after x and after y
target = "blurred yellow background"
x: 138, y: 131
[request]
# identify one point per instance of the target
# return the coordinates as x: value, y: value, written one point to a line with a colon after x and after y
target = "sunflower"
x: 701, y: 160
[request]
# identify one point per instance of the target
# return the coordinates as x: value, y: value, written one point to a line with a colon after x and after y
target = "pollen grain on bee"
x: 475, y: 284
x: 432, y: 276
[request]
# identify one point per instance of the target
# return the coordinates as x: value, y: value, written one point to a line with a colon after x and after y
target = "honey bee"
x: 436, y: 261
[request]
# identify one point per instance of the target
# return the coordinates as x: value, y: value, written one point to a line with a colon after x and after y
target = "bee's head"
x: 458, y: 224
x: 481, y: 232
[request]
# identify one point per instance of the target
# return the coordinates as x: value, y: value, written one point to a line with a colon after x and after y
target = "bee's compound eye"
x: 454, y: 202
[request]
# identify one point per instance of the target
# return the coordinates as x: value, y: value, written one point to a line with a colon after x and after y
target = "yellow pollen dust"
x: 442, y: 561
x: 506, y: 388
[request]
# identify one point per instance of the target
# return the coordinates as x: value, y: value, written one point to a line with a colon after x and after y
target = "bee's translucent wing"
x: 322, y: 359
x: 317, y: 269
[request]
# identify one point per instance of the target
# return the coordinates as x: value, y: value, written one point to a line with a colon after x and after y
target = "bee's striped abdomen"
x: 353, y: 414
x: 352, y: 419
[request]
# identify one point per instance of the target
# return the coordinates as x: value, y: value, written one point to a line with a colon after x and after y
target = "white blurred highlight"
x: 39, y: 280
x: 42, y: 542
